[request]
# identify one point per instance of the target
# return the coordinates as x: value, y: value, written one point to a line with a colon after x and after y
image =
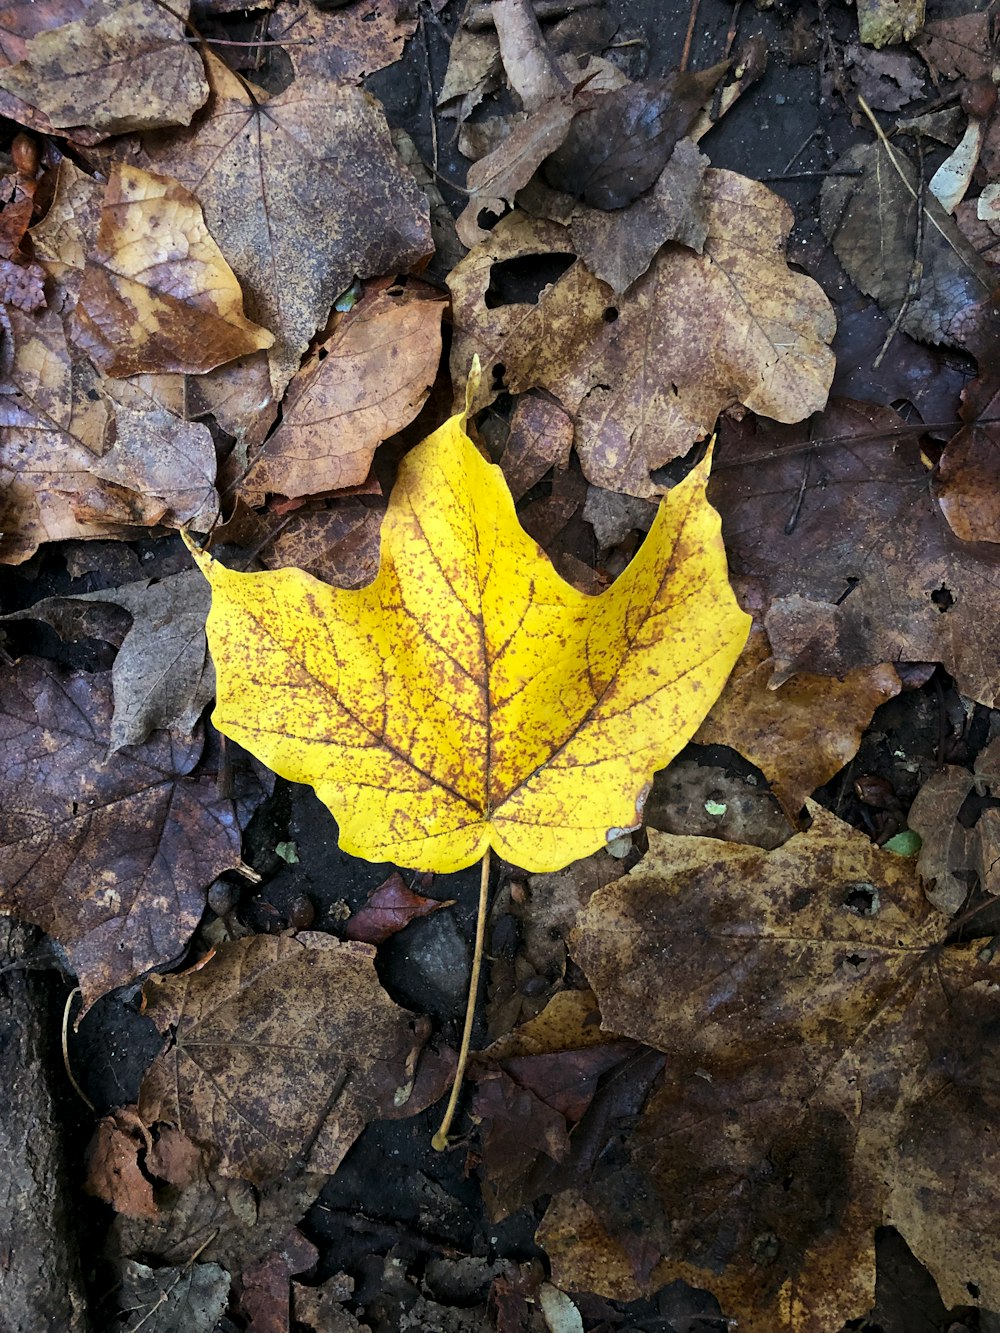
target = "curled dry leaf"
x: 110, y: 855
x: 112, y: 1162
x: 255, y: 163
x: 468, y: 697
x: 800, y: 733
x: 826, y: 1075
x: 363, y: 384
x: 733, y: 324
x: 281, y: 1046
x: 111, y: 65
x: 836, y: 532
x: 157, y: 294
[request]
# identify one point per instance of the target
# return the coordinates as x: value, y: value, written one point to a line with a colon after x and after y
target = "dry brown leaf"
x: 163, y: 676
x: 339, y: 544
x: 56, y: 424
x: 121, y: 65
x: 954, y: 857
x: 645, y: 379
x: 345, y: 45
x: 157, y: 294
x: 112, y: 1163
x: 297, y: 221
x: 365, y: 383
x: 388, y: 909
x: 834, y: 530
x: 280, y: 1047
x: 110, y: 855
x: 540, y: 438
x: 802, y: 733
x: 164, y: 464
x: 826, y: 1075
x: 619, y: 247
x: 967, y: 481
x: 67, y: 232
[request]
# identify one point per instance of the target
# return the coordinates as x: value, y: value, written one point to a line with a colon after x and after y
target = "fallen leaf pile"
x: 475, y: 453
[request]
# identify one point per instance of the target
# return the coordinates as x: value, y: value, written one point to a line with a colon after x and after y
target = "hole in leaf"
x: 973, y: 1290
x: 521, y: 281
x: 610, y: 315
x: 499, y: 370
x: 943, y: 599
x: 863, y: 900
x: 852, y: 583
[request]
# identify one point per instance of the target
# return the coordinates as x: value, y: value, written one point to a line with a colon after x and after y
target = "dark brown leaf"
x: 109, y: 854
x: 388, y: 909
x: 619, y: 143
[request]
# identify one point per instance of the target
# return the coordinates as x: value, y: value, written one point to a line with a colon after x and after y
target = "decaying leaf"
x: 388, y: 909
x: 967, y: 481
x: 836, y: 531
x: 953, y: 857
x: 802, y: 732
x: 193, y: 1297
x: 117, y: 65
x: 55, y: 426
x: 110, y: 855
x: 540, y: 438
x: 469, y: 697
x: 281, y: 1046
x: 255, y: 163
x: 157, y: 294
x: 162, y: 677
x: 620, y: 141
x: 871, y: 221
x: 732, y: 324
x: 364, y: 384
x: 818, y: 1040
x: 346, y: 44
x: 113, y: 1171
x: 619, y: 247
x: 885, y: 22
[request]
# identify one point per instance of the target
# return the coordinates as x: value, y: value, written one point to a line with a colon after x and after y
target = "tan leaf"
x: 281, y: 1046
x: 258, y: 166
x: 112, y: 1160
x: 157, y: 294
x: 122, y: 65
x: 801, y: 733
x: 365, y: 383
x: 733, y: 324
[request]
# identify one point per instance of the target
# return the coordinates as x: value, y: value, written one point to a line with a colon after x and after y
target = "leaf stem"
x: 440, y: 1140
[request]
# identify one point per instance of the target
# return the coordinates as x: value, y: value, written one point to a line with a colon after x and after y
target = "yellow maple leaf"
x: 469, y: 697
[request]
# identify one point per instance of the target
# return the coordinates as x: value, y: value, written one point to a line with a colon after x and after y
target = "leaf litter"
x: 213, y: 323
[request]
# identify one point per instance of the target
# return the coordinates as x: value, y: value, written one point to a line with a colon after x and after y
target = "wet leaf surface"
x: 244, y: 1074
x: 817, y: 1032
x: 388, y: 909
x: 110, y: 854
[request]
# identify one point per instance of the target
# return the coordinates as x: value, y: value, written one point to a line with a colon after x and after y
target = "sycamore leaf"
x: 469, y: 697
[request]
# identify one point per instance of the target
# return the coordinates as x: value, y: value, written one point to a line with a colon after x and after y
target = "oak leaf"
x: 157, y: 294
x: 827, y: 1073
x: 645, y: 378
x: 468, y: 697
x: 110, y: 855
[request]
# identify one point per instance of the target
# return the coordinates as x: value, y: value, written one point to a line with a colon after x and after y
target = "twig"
x: 440, y: 1139
x: 430, y: 91
x: 480, y: 17
x: 733, y: 24
x: 65, y: 1050
x: 689, y: 36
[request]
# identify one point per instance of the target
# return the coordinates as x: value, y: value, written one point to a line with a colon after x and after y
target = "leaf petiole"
x: 440, y: 1140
